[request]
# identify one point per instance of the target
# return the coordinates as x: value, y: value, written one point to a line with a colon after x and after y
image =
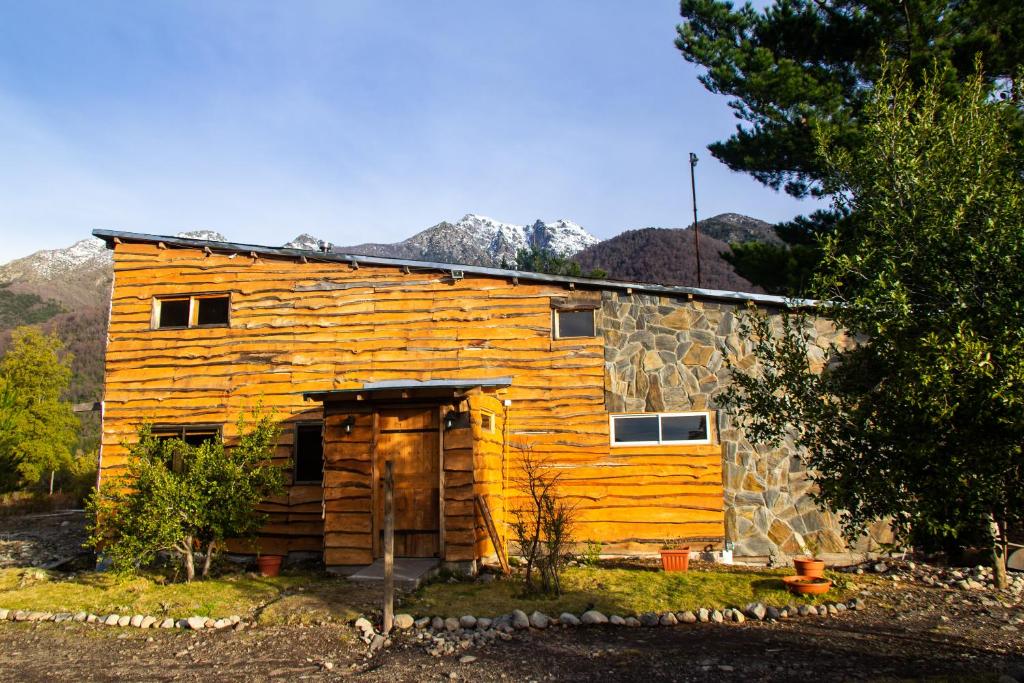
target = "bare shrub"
x: 542, y: 524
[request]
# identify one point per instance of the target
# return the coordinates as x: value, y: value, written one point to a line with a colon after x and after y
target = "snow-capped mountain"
x: 480, y: 240
x: 208, y: 235
x: 48, y: 264
x: 304, y: 241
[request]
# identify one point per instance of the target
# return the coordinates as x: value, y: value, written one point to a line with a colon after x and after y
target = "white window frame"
x: 490, y: 426
x: 556, y: 325
x: 193, y: 310
x: 660, y: 441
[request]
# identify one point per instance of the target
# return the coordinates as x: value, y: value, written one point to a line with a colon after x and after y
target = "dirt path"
x: 907, y: 633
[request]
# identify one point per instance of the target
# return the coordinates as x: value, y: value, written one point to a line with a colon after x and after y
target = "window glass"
x: 575, y: 324
x: 173, y: 313
x: 193, y: 436
x: 309, y: 453
x: 633, y: 429
x: 684, y: 427
x: 487, y: 422
x: 197, y: 437
x: 212, y: 311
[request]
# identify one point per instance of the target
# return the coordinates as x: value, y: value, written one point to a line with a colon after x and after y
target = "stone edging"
x: 196, y: 623
x: 482, y: 629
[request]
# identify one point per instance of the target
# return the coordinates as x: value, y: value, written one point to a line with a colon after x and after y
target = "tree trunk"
x: 188, y: 560
x: 208, y: 560
x: 998, y: 552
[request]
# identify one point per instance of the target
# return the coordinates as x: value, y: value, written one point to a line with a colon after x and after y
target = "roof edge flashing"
x: 111, y: 237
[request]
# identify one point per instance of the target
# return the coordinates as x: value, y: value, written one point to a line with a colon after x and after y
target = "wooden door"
x: 409, y: 437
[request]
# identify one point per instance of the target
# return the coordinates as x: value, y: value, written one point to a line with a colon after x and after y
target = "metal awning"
x: 401, y: 389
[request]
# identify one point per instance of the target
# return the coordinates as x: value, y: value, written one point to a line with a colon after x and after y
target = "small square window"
x: 213, y: 310
x: 173, y: 313
x: 309, y: 453
x: 194, y: 436
x: 570, y: 324
x: 205, y: 310
x: 487, y: 422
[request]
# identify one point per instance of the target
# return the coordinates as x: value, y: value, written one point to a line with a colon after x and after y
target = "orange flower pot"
x: 807, y: 585
x: 269, y: 565
x: 676, y: 559
x: 808, y: 566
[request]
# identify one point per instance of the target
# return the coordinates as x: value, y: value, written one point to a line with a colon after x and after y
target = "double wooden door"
x: 410, y: 439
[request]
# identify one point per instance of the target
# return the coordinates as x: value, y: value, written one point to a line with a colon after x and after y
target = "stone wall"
x: 665, y: 354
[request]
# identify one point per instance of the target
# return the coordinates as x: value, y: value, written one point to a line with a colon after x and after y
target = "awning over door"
x: 404, y: 389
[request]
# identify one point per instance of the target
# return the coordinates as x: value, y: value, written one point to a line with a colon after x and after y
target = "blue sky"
x: 352, y: 120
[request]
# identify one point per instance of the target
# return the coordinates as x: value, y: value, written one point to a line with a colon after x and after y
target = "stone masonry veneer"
x: 664, y: 354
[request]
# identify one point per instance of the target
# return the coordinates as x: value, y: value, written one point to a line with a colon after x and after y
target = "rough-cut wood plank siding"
x: 348, y: 490
x: 299, y: 327
x: 488, y: 466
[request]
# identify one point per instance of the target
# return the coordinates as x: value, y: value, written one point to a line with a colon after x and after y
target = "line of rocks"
x: 979, y: 578
x: 195, y: 623
x: 447, y: 636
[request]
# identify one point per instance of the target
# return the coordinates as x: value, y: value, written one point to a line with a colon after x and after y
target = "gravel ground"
x: 907, y: 632
x: 44, y: 540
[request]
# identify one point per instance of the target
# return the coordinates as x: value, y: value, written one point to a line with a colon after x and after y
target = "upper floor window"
x: 571, y: 323
x: 309, y: 453
x: 648, y: 429
x: 198, y: 310
x: 193, y: 435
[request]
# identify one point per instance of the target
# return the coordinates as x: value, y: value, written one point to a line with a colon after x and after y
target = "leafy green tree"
x: 537, y: 260
x: 185, y: 499
x: 38, y: 430
x: 920, y: 418
x: 801, y: 64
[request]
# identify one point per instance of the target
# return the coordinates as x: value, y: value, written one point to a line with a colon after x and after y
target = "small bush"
x: 591, y: 554
x: 185, y: 499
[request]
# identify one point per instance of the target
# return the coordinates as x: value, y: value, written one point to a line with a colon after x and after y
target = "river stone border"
x: 141, y: 621
x: 446, y: 636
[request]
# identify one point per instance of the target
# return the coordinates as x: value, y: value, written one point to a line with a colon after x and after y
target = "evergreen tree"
x: 802, y: 64
x: 537, y: 260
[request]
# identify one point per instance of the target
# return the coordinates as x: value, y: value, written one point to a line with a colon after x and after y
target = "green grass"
x: 271, y: 599
x: 619, y: 591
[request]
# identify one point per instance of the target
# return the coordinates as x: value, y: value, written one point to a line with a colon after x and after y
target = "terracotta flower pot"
x: 808, y: 566
x: 269, y: 565
x: 676, y: 559
x: 807, y: 585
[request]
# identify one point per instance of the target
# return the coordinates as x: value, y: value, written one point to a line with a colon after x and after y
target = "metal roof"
x: 110, y: 236
x: 409, y: 385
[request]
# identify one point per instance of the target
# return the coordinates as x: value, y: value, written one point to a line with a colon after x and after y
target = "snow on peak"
x: 50, y: 263
x: 502, y: 240
x: 208, y: 235
x: 305, y: 241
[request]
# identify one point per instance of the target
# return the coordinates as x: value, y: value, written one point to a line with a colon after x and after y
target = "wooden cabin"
x: 450, y: 372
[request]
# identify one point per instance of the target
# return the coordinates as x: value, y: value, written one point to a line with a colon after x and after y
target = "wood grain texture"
x: 299, y: 327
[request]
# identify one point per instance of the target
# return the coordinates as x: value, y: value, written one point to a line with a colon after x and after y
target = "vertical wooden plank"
x: 389, y: 547
x: 374, y: 485
x: 440, y: 481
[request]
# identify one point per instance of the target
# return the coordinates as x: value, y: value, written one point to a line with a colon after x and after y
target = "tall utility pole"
x: 696, y: 230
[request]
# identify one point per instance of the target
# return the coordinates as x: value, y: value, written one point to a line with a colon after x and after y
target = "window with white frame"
x: 197, y: 310
x: 650, y: 429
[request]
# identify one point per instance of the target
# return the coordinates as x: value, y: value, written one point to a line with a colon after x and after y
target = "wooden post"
x: 389, y: 547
